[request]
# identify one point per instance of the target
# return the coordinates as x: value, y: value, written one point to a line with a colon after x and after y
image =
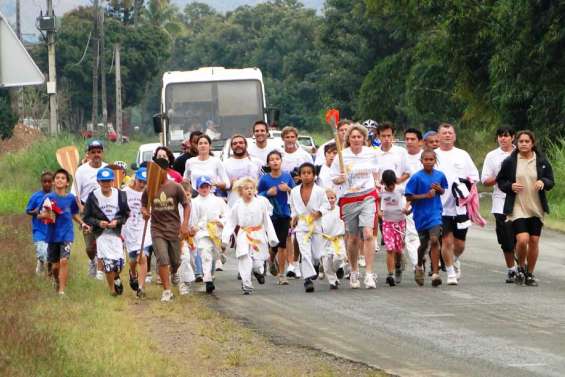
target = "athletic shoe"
x: 354, y: 282
x: 175, y: 278
x: 419, y: 276
x: 140, y: 294
x: 184, y: 288
x: 457, y: 268
x: 361, y: 261
x: 531, y: 280
x: 281, y: 280
x: 511, y: 277
x: 210, y: 287
x: 436, y: 280
x: 390, y: 281
x: 290, y: 271
x: 219, y: 265
x: 62, y: 294
x: 260, y: 277
x: 340, y: 273
x: 167, y: 296
x: 148, y: 278
x: 321, y: 276
x: 118, y: 286
x: 133, y: 283
x: 99, y: 275
x: 520, y: 276
x: 223, y: 258
x: 308, y: 286
x: 370, y: 280
x: 398, y: 275
x: 273, y: 268
x: 92, y: 268
x: 452, y: 279
x: 334, y: 286
x: 246, y: 290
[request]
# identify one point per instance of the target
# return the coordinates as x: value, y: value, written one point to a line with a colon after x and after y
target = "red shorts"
x: 393, y: 235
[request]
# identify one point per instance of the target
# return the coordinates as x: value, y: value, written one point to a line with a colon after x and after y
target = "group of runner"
x: 297, y: 215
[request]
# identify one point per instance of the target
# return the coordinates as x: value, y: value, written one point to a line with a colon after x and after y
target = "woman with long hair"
x: 206, y: 165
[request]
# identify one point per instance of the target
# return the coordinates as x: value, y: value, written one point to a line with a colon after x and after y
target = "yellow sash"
x: 335, y: 241
x: 252, y: 241
x: 309, y: 220
x: 212, y: 228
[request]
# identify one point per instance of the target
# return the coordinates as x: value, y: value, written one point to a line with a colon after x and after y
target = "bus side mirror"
x: 273, y: 115
x: 158, y: 123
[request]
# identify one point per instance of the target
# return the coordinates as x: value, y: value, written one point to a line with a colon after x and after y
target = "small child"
x: 59, y: 210
x: 308, y: 203
x: 256, y: 233
x: 393, y: 211
x: 132, y: 233
x: 206, y: 220
x: 38, y: 227
x: 189, y: 257
x: 333, y: 231
x: 423, y: 190
x: 106, y: 210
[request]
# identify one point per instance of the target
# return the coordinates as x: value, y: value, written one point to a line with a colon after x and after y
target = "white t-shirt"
x: 491, y: 167
x: 392, y: 204
x: 290, y: 161
x: 393, y: 159
x: 132, y: 231
x: 108, y: 204
x: 413, y: 162
x: 211, y: 167
x: 108, y: 244
x: 237, y: 168
x: 86, y: 182
x: 261, y: 153
x: 320, y: 154
x: 360, y: 171
x: 204, y: 209
x: 454, y: 163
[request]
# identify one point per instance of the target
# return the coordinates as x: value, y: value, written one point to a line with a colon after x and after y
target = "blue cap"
x: 141, y: 174
x: 427, y: 134
x: 93, y: 144
x: 105, y: 174
x: 203, y: 181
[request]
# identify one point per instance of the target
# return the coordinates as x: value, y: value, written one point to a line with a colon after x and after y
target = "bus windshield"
x: 219, y: 108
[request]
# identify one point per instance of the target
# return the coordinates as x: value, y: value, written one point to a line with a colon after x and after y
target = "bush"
x: 7, y: 118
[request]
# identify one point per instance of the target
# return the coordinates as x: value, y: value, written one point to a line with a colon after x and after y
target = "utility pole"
x: 95, y: 63
x: 52, y: 84
x: 103, y: 74
x: 16, y: 94
x: 118, y: 93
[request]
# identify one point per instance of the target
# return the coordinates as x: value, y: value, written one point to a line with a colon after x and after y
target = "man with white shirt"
x: 341, y: 130
x: 86, y: 182
x: 491, y: 167
x: 292, y: 156
x: 455, y: 163
x: 240, y: 165
x: 390, y: 156
x: 262, y: 147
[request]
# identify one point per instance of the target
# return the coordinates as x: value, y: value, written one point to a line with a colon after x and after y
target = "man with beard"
x: 262, y: 146
x: 188, y: 151
x: 240, y: 165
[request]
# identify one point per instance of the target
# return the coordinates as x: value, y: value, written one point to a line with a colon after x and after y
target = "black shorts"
x: 426, y: 235
x: 57, y: 251
x: 450, y: 226
x: 504, y: 233
x: 282, y: 225
x: 531, y: 225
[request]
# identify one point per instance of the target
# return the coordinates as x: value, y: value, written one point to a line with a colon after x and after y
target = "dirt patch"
x: 22, y: 138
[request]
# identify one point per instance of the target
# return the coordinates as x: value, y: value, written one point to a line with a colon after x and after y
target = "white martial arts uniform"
x: 208, y: 216
x: 308, y: 231
x: 132, y: 231
x: 333, y: 251
x: 411, y: 239
x: 256, y: 233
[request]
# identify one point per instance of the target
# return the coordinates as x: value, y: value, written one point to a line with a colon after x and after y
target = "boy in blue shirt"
x: 38, y: 227
x: 59, y: 210
x: 423, y: 190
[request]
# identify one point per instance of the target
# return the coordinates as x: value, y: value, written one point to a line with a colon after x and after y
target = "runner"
x: 308, y: 203
x: 255, y: 234
x: 263, y: 145
x: 106, y: 211
x: 390, y: 156
x: 359, y: 202
x: 325, y: 176
x: 189, y: 148
x: 341, y: 130
x: 240, y: 165
x: 38, y: 227
x: 293, y: 156
x: 491, y: 167
x: 276, y: 186
x: 431, y: 140
x: 525, y: 176
x: 205, y: 164
x: 456, y: 164
x: 165, y: 153
x: 85, y: 177
x: 333, y: 252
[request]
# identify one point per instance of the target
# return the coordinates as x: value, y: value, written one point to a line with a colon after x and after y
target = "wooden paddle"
x: 332, y: 118
x: 68, y: 158
x: 155, y: 175
x: 119, y: 175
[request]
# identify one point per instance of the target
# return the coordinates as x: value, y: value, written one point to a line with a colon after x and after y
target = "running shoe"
x: 419, y: 276
x: 340, y: 273
x: 99, y: 275
x: 436, y: 280
x: 273, y: 268
x: 520, y: 276
x: 370, y: 280
x: 457, y: 268
x: 361, y: 261
x: 390, y: 281
x: 210, y: 287
x: 354, y: 282
x: 184, y: 288
x: 167, y: 296
x: 260, y: 277
x: 334, y: 286
x: 148, y: 278
x: 511, y: 277
x: 282, y: 280
x: 175, y: 279
x: 118, y: 286
x: 531, y: 280
x: 133, y: 283
x: 451, y: 279
x: 290, y: 271
x: 92, y: 268
x: 308, y: 286
x: 219, y: 265
x: 140, y: 294
x: 246, y: 290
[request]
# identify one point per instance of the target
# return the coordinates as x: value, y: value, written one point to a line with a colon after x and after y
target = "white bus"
x: 217, y: 101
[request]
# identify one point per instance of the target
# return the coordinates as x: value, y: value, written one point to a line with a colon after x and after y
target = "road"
x: 483, y: 327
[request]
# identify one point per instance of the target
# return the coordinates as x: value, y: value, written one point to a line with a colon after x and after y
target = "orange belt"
x: 252, y: 241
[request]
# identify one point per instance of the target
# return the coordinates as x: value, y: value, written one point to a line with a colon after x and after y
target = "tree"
x: 7, y: 118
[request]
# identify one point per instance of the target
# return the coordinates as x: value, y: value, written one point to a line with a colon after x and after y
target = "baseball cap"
x: 203, y: 181
x: 427, y: 134
x: 95, y: 144
x: 105, y: 174
x: 141, y: 174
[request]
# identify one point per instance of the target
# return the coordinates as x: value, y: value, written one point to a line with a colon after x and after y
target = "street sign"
x: 17, y: 68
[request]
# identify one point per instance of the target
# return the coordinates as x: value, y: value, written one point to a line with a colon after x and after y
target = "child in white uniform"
x: 308, y: 202
x: 256, y: 233
x: 206, y: 221
x: 333, y: 252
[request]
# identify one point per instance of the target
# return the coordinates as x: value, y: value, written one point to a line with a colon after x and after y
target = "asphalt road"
x: 483, y: 327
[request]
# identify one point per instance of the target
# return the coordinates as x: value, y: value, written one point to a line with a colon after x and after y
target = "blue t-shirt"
x: 280, y: 201
x: 427, y: 212
x: 62, y: 229
x: 38, y: 228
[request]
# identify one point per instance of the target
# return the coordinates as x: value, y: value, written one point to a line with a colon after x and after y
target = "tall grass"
x: 556, y: 154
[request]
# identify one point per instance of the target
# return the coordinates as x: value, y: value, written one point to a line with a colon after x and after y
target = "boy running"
x: 38, y: 227
x: 333, y: 231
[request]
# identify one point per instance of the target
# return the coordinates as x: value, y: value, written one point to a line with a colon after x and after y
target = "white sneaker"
x: 92, y: 268
x: 167, y: 296
x: 99, y: 275
x: 175, y: 279
x: 354, y: 282
x: 158, y: 279
x: 148, y: 279
x: 219, y: 265
x: 370, y: 280
x: 451, y: 279
x: 321, y: 276
x: 457, y: 268
x: 361, y: 261
x: 39, y: 267
x: 184, y: 288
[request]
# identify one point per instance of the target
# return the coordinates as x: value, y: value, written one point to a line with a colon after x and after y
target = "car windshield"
x: 305, y: 140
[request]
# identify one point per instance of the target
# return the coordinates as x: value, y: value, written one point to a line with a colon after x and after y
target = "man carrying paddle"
x: 86, y: 182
